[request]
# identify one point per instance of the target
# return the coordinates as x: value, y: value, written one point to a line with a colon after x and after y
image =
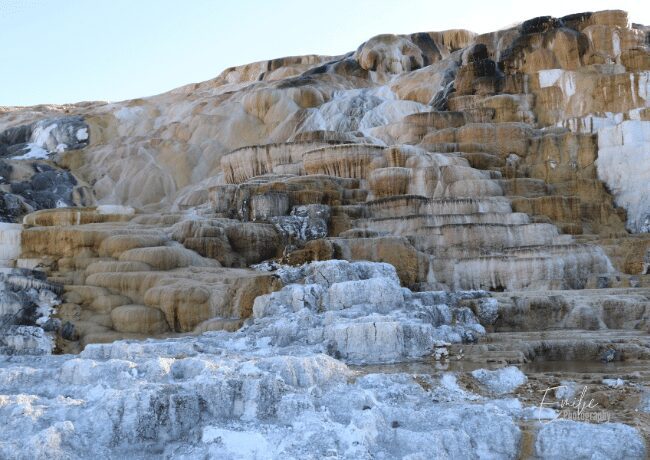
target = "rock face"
x: 27, y: 181
x: 326, y: 223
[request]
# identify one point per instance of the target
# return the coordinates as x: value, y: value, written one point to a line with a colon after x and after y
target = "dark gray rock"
x: 5, y: 171
x: 69, y: 332
x: 12, y: 207
x: 56, y: 134
x: 16, y: 135
x: 48, y: 188
x: 609, y: 355
x: 27, y: 301
x: 25, y: 340
x: 488, y: 311
x: 307, y: 222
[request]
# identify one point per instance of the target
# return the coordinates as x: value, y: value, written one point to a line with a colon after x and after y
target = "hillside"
x: 385, y: 253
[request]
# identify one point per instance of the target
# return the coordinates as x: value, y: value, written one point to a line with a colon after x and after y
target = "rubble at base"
x: 270, y: 390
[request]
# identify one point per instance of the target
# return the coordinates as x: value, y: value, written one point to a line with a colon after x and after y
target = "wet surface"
x: 626, y: 399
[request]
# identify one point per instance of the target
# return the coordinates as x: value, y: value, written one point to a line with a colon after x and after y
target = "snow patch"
x: 565, y: 439
x: 82, y: 134
x: 194, y: 397
x: 34, y: 152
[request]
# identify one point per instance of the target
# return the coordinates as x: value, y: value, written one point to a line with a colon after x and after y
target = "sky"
x: 60, y: 51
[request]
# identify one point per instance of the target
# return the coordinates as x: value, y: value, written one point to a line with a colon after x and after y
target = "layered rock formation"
x: 494, y: 182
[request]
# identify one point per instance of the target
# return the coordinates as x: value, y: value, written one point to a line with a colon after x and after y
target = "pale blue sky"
x: 57, y: 51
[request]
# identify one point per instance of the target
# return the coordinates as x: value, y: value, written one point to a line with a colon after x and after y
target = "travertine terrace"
x: 504, y: 176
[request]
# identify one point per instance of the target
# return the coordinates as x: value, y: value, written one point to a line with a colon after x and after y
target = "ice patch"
x: 566, y: 390
x: 644, y: 86
x: 593, y: 123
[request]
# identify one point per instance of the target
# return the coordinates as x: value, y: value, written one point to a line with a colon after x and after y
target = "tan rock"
x: 138, y: 319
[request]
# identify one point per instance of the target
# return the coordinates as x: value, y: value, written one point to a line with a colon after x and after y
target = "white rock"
x: 500, y: 381
x: 644, y: 404
x: 29, y: 340
x: 237, y: 444
x: 566, y: 390
x: 615, y: 383
x: 565, y: 439
x: 384, y: 294
x: 35, y: 152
